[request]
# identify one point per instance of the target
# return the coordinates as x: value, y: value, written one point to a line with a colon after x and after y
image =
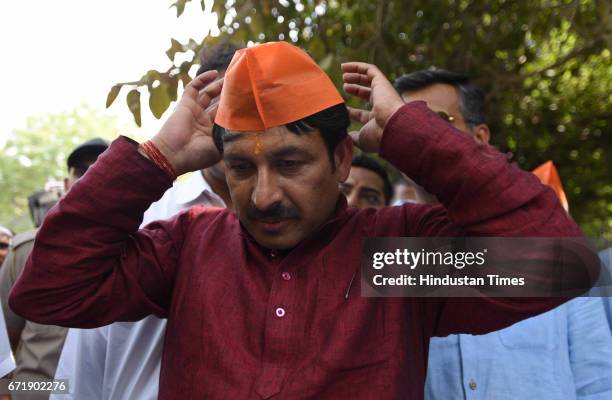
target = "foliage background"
x: 545, y: 64
x: 37, y: 154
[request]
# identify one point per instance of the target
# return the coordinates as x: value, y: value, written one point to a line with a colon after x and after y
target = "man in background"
x: 565, y: 353
x: 5, y: 242
x: 606, y: 260
x: 123, y: 360
x: 367, y: 185
x: 37, y: 347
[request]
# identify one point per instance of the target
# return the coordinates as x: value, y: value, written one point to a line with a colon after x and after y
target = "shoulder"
x: 23, y: 239
x: 196, y: 213
x: 411, y: 219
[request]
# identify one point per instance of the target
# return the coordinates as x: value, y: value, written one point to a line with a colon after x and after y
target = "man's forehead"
x: 232, y: 135
x: 439, y: 97
x: 84, y: 161
x: 364, y: 176
x: 269, y: 140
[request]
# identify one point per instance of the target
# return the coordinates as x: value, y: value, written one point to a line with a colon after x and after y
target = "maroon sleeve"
x: 481, y: 195
x: 90, y: 265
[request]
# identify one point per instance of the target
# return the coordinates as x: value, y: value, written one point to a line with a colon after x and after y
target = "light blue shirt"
x: 564, y: 354
x: 606, y: 260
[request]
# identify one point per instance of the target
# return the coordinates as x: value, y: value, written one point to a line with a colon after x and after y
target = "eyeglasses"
x: 446, y: 117
x: 4, y: 246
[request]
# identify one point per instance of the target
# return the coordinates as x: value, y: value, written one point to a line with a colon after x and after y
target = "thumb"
x: 367, y: 138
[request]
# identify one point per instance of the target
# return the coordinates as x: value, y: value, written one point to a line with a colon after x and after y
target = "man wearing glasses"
x: 452, y: 96
x: 563, y: 354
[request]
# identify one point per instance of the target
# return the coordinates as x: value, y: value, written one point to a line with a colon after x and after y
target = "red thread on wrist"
x: 158, y: 158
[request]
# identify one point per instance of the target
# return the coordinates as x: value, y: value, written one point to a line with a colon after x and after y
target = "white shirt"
x: 122, y: 360
x: 7, y: 361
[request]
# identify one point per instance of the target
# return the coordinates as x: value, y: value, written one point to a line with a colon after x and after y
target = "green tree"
x: 37, y: 154
x: 545, y: 64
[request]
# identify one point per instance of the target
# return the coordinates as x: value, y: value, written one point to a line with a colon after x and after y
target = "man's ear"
x: 481, y: 133
x: 65, y: 185
x: 343, y: 156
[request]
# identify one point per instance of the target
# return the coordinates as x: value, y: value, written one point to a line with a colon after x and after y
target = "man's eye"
x: 240, y: 168
x: 372, y: 199
x: 290, y: 165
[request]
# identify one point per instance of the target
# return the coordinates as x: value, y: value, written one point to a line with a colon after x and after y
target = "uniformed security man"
x: 37, y: 347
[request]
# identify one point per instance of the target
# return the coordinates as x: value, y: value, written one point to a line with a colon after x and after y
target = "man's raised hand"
x: 368, y: 83
x: 186, y: 137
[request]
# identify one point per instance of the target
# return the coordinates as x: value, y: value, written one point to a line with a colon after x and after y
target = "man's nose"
x: 267, y: 191
x: 352, y: 199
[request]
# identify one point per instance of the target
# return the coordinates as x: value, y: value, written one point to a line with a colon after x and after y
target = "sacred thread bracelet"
x: 151, y: 150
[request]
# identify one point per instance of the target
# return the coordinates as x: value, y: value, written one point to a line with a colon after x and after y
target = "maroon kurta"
x: 248, y: 323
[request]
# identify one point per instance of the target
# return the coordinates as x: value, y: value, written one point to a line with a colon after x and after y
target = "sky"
x: 56, y: 55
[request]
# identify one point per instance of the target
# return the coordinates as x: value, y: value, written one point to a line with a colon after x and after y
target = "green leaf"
x: 316, y: 48
x: 172, y: 87
x: 159, y: 100
x: 326, y: 62
x: 180, y: 7
x: 185, y: 67
x: 256, y: 25
x: 150, y: 77
x: 133, y: 102
x: 112, y: 94
x: 193, y: 45
x: 175, y: 47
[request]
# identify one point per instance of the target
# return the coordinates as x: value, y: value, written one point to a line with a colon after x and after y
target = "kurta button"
x: 286, y: 276
x: 473, y: 385
x: 273, y: 253
x: 280, y: 312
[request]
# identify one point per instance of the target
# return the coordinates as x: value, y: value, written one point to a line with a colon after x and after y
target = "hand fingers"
x: 367, y: 139
x: 354, y: 137
x: 210, y: 93
x: 200, y: 81
x: 359, y: 115
x: 358, y: 67
x: 212, y: 110
x: 356, y: 78
x: 206, y: 117
x: 357, y: 90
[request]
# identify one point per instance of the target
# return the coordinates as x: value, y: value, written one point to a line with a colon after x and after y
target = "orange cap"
x: 270, y: 85
x: 548, y: 175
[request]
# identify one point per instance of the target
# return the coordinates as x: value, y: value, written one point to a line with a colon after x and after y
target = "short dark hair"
x: 332, y: 122
x: 471, y: 97
x: 90, y: 150
x: 362, y: 161
x: 217, y: 57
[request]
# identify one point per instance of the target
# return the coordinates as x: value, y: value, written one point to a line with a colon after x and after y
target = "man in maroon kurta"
x: 264, y: 303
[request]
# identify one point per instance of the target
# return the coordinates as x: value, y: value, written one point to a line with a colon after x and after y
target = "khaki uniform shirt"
x: 36, y: 347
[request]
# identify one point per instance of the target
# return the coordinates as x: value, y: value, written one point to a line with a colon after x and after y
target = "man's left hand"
x: 367, y: 82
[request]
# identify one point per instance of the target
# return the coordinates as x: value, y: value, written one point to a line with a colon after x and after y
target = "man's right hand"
x: 186, y: 137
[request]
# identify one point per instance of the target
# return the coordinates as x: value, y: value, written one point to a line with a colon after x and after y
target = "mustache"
x: 277, y: 211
